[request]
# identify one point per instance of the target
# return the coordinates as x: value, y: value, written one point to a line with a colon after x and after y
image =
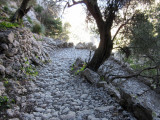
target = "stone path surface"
x: 59, y: 95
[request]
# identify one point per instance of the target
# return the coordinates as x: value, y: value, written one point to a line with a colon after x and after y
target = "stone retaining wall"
x: 131, y: 93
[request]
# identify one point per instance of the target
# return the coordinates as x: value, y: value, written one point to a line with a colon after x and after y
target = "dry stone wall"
x: 18, y: 49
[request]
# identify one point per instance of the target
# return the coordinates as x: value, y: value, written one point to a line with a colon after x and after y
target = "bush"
x: 5, y: 25
x: 37, y: 28
x: 43, y: 29
x: 3, y: 2
x: 5, y: 102
x: 5, y: 8
x: 4, y: 18
x: 32, y: 2
x: 38, y: 8
x: 29, y: 19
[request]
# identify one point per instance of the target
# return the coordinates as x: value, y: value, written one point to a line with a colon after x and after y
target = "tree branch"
x: 120, y: 28
x: 70, y: 5
x: 92, y: 6
x: 74, y: 3
x: 134, y: 75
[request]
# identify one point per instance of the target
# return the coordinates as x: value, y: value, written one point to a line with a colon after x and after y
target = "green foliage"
x: 49, y: 17
x: 142, y: 37
x: 72, y: 66
x: 5, y: 25
x: 136, y: 66
x: 6, y: 9
x: 38, y: 39
x: 4, y: 18
x: 81, y: 69
x: 29, y: 19
x: 64, y: 34
x: 102, y: 77
x: 3, y: 2
x: 32, y: 3
x: 6, y: 83
x: 37, y: 28
x: 5, y: 102
x: 142, y: 34
x: 94, y: 30
x: 29, y: 70
x: 53, y: 25
x: 38, y: 9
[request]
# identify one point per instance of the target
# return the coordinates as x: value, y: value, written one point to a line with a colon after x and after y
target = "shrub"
x: 37, y: 28
x: 4, y: 18
x: 43, y: 28
x: 53, y: 25
x: 3, y: 2
x: 29, y: 19
x: 4, y: 25
x: 5, y: 8
x: 38, y: 8
x: 81, y: 69
x: 32, y: 2
x: 5, y: 102
x: 29, y: 70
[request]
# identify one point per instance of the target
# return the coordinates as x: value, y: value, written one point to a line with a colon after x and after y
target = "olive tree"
x: 104, y: 12
x: 21, y: 11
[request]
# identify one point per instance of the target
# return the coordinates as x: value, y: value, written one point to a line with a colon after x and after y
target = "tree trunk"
x: 106, y: 45
x: 21, y: 11
x: 103, y: 52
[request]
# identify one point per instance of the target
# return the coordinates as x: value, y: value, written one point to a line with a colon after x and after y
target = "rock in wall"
x: 20, y: 48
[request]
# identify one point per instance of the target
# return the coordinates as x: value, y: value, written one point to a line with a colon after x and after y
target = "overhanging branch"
x: 120, y: 28
x: 74, y: 3
x: 134, y: 75
x: 70, y: 5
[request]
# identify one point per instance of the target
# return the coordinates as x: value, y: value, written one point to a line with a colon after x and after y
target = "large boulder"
x: 2, y: 70
x: 78, y: 63
x: 2, y: 89
x: 9, y: 71
x: 80, y: 46
x: 11, y: 52
x: 142, y: 101
x: 70, y: 44
x: 50, y: 41
x: 31, y: 14
x: 6, y: 37
x: 88, y: 46
x: 93, y: 47
x: 4, y: 46
x: 91, y: 76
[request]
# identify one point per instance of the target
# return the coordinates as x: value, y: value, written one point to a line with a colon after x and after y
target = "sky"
x: 76, y: 15
x: 79, y: 32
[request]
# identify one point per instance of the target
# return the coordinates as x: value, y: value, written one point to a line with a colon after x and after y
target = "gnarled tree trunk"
x: 105, y: 47
x: 21, y: 11
x: 103, y: 52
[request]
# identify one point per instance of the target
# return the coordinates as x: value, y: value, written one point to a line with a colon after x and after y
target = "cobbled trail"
x: 60, y: 95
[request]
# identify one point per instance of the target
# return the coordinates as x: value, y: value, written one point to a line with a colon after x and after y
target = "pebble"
x: 59, y: 95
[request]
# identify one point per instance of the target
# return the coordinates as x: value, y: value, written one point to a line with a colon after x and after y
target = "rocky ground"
x: 56, y: 93
x: 59, y: 95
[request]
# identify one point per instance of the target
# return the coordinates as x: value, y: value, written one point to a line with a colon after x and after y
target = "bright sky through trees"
x: 76, y: 16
